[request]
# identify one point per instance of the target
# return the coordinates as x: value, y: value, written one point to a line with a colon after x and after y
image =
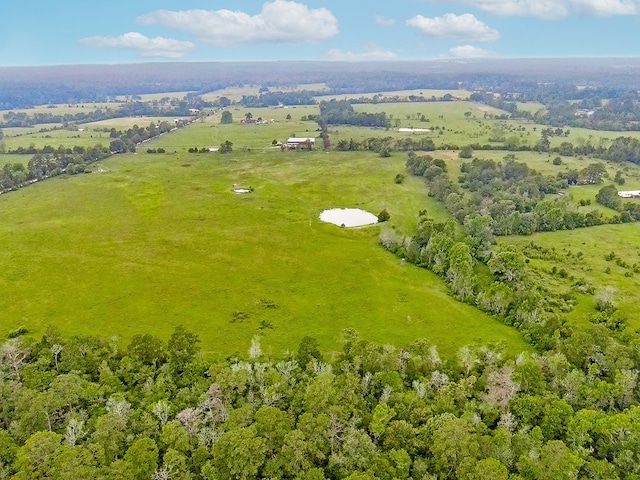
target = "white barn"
x: 301, y: 143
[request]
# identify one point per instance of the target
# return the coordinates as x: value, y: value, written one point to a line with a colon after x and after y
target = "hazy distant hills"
x: 26, y: 86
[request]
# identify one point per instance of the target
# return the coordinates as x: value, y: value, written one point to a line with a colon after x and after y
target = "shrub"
x: 466, y: 152
x: 17, y: 332
x: 383, y: 216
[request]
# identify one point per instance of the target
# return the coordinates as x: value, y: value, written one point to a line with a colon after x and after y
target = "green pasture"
x: 310, y: 87
x: 54, y: 138
x: 22, y: 131
x: 532, y: 107
x: 154, y: 241
x: 208, y: 132
x: 13, y: 158
x: 64, y: 109
x: 234, y: 94
x: 448, y: 116
x: 595, y: 243
x: 125, y: 123
x: 87, y: 135
x: 424, y: 92
x: 151, y: 97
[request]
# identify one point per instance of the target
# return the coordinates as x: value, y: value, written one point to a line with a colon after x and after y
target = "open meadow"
x: 403, y: 94
x: 157, y: 240
x: 154, y: 241
x: 53, y: 136
x: 604, y: 257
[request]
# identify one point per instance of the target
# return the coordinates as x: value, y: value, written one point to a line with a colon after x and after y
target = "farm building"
x: 629, y: 194
x: 414, y: 130
x: 302, y: 143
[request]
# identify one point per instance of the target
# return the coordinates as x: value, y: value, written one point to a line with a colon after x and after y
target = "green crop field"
x: 154, y: 241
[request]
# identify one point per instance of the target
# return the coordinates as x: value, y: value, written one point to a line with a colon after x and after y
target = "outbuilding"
x: 301, y: 143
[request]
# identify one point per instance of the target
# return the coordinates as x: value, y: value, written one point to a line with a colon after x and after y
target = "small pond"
x: 348, y: 217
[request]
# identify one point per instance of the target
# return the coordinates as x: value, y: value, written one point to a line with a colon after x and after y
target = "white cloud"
x: 469, y: 51
x: 554, y: 9
x: 144, y: 46
x: 279, y: 21
x: 384, y: 21
x: 607, y: 8
x: 463, y: 27
x: 371, y: 52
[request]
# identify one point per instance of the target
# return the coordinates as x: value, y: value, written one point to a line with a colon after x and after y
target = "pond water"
x: 348, y: 217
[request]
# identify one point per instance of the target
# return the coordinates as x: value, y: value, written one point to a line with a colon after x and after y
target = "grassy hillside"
x: 154, y: 241
x: 157, y: 240
x: 586, y: 254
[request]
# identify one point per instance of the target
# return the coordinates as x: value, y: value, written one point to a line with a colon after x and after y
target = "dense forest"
x: 86, y: 407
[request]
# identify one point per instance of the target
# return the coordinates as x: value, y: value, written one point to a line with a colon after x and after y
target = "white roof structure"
x: 629, y: 194
x: 297, y: 140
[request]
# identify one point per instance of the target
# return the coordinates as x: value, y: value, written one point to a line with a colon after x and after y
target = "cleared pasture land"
x: 234, y: 94
x: 125, y: 123
x: 11, y: 158
x: 425, y: 92
x: 55, y: 138
x: 86, y: 135
x: 64, y: 109
x: 155, y: 241
x: 595, y: 244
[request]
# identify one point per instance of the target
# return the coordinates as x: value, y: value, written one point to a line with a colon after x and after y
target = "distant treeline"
x: 533, y: 79
x: 272, y: 99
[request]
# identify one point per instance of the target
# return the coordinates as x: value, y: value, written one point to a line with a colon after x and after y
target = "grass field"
x: 234, y: 94
x: 124, y: 123
x: 150, y: 97
x: 23, y: 137
x: 595, y: 243
x: 92, y: 133
x: 160, y: 240
x: 64, y: 109
x: 12, y: 158
x: 424, y: 92
x: 157, y: 240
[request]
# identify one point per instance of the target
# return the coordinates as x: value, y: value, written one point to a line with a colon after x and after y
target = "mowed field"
x: 155, y: 241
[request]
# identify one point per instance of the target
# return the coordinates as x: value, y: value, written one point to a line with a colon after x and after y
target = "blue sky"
x: 50, y: 32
